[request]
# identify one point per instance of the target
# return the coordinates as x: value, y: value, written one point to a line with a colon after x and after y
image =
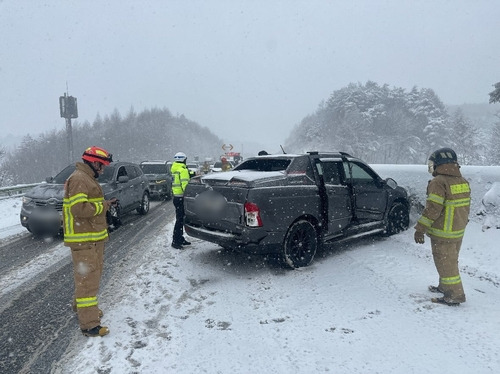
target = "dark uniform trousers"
x: 445, y: 255
x: 88, y: 264
x: 178, y: 236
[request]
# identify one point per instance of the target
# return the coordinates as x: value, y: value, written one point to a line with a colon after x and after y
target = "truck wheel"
x: 300, y: 245
x: 398, y: 219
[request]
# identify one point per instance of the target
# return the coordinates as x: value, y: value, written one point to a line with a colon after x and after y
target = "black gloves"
x: 419, y: 237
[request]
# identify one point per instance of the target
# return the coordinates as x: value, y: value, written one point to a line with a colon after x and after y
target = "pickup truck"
x: 291, y: 204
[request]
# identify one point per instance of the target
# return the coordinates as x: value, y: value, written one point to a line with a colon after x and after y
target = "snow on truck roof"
x: 153, y: 162
x: 243, y: 175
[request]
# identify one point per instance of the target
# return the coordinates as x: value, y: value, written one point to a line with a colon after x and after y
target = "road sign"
x: 227, y: 147
x: 68, y: 107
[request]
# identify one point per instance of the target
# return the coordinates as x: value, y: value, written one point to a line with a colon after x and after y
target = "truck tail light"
x: 252, y: 215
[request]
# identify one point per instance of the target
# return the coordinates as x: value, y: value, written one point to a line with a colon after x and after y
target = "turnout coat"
x: 446, y: 212
x: 84, y: 210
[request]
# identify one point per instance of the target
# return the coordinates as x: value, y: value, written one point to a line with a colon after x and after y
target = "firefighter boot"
x: 442, y: 300
x: 96, y: 331
x: 435, y: 289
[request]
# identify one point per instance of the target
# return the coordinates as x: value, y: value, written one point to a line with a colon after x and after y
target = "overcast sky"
x: 248, y: 70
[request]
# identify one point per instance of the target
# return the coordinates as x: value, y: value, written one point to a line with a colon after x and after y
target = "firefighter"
x: 206, y: 167
x: 181, y: 177
x: 444, y: 220
x: 85, y: 232
x: 226, y: 166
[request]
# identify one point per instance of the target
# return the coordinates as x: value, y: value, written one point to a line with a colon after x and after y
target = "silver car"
x: 41, y: 211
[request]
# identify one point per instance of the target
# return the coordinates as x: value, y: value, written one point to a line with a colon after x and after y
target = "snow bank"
x: 415, y: 177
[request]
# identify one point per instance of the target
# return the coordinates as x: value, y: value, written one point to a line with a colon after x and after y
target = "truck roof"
x: 154, y: 162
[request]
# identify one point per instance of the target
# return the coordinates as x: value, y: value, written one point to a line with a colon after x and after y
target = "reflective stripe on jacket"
x: 180, y: 174
x: 84, y: 212
x: 446, y: 212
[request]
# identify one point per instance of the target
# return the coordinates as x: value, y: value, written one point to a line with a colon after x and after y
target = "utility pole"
x: 68, y: 109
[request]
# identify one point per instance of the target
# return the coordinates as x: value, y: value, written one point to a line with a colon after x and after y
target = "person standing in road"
x: 85, y: 232
x: 226, y: 166
x: 181, y: 177
x: 444, y: 219
x: 206, y: 167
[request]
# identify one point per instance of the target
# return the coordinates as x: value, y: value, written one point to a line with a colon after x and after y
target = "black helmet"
x: 443, y: 156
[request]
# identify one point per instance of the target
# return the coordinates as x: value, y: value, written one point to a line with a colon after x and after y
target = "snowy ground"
x: 9, y: 218
x: 362, y: 307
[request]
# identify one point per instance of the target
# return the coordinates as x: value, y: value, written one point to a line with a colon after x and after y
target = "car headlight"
x: 27, y: 200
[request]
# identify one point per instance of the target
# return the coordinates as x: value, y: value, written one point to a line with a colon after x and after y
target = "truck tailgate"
x: 216, y: 208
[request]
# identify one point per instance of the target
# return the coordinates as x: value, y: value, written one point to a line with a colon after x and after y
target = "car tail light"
x: 252, y: 215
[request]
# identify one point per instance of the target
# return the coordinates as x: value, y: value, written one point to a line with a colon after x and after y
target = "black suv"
x: 160, y: 179
x: 41, y: 212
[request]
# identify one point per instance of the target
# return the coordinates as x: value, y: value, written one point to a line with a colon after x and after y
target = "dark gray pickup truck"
x: 291, y: 204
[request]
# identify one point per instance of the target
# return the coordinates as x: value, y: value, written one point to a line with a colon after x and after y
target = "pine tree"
x: 494, y: 148
x: 377, y: 123
x: 5, y: 178
x: 495, y: 94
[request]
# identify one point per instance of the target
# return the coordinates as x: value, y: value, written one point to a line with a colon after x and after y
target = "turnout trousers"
x: 87, y: 270
x: 445, y: 254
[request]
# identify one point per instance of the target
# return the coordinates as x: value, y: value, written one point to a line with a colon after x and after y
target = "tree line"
x: 375, y: 122
x: 390, y: 125
x: 153, y: 134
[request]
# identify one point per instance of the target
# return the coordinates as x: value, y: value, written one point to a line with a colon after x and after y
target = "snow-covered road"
x: 359, y: 308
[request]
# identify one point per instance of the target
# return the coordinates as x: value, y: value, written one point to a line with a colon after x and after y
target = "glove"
x: 419, y: 237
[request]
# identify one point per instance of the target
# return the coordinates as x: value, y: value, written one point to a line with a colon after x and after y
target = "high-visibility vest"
x: 180, y: 174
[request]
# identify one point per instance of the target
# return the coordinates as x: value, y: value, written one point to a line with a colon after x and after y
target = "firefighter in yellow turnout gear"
x: 85, y: 232
x: 444, y: 219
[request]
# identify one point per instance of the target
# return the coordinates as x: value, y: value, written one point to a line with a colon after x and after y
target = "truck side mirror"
x: 391, y: 183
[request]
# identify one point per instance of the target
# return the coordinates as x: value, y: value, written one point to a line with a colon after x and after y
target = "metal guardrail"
x: 15, y: 191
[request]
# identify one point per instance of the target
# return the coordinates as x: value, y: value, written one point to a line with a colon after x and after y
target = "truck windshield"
x: 64, y: 174
x: 60, y: 178
x: 154, y: 168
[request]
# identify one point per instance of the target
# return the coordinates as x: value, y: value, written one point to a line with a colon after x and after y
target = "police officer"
x: 181, y: 177
x: 444, y: 220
